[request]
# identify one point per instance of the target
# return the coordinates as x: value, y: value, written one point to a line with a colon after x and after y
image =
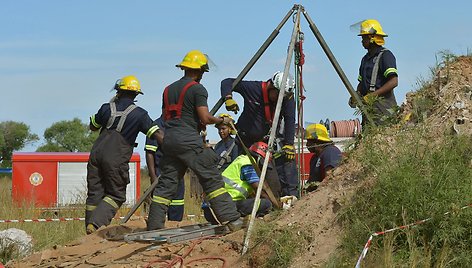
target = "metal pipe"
x: 337, y: 67
x: 273, y: 128
x: 254, y: 59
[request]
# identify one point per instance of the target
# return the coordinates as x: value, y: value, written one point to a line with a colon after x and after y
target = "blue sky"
x: 59, y: 59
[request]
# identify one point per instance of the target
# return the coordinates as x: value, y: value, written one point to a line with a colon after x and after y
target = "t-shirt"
x: 387, y: 68
x: 249, y: 175
x: 195, y: 96
x: 329, y: 157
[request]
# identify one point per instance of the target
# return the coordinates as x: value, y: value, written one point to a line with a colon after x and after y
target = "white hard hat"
x: 277, y: 81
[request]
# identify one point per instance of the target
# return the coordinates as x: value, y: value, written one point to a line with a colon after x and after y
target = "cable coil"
x: 345, y: 128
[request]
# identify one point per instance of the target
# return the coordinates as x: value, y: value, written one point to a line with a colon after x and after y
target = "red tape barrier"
x: 49, y: 220
x: 369, y: 241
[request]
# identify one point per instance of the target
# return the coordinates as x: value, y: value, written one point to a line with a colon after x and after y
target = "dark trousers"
x: 176, y: 208
x: 287, y: 171
x: 107, y: 177
x: 202, y: 161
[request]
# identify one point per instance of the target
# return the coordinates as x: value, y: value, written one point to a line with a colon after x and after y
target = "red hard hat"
x: 260, y: 148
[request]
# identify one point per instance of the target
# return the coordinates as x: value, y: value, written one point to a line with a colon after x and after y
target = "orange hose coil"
x: 345, y: 128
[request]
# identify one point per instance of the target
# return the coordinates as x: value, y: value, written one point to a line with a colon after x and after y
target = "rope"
x: 48, y: 220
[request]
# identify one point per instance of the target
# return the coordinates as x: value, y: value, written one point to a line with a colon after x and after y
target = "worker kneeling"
x: 241, y: 182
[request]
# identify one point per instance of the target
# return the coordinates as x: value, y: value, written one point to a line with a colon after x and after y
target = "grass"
x: 275, y: 246
x: 49, y: 234
x: 415, y: 179
x: 45, y: 235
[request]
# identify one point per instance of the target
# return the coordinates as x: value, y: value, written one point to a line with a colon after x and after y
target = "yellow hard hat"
x: 232, y: 131
x: 195, y: 59
x: 371, y: 27
x: 317, y: 132
x: 130, y: 83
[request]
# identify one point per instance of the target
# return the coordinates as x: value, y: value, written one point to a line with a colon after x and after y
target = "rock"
x: 19, y: 239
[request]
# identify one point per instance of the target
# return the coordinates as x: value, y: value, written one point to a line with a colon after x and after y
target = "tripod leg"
x: 254, y: 59
x: 275, y: 122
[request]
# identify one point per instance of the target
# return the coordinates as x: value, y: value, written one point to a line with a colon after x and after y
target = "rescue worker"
x: 226, y: 147
x: 153, y: 154
x: 378, y: 74
x: 119, y: 122
x: 185, y: 111
x: 260, y: 99
x: 241, y: 182
x: 326, y: 155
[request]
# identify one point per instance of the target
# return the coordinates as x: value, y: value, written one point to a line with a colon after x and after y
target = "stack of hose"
x: 345, y: 128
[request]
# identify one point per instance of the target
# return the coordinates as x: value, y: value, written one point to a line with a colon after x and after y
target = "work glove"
x: 289, y: 152
x: 231, y: 105
x: 288, y: 201
x: 369, y: 99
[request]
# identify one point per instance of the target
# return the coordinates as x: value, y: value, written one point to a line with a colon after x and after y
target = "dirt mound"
x: 446, y: 100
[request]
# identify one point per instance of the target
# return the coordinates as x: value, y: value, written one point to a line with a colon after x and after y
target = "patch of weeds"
x: 282, y: 245
x: 8, y: 251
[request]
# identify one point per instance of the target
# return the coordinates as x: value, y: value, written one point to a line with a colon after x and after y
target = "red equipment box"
x: 303, y: 162
x: 59, y: 179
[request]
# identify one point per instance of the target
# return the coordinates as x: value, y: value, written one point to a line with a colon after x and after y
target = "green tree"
x: 13, y: 136
x: 68, y: 136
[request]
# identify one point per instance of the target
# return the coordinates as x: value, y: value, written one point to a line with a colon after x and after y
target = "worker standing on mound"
x: 377, y: 74
x: 185, y: 111
x: 260, y: 100
x: 119, y: 122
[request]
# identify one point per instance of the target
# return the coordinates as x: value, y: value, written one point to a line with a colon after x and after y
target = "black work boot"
x: 157, y: 216
x: 235, y: 225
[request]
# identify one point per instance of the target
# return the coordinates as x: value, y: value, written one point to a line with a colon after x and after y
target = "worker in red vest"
x: 185, y: 111
x: 260, y: 99
x: 119, y: 122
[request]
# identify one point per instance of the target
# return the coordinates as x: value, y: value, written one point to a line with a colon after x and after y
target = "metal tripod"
x: 297, y: 10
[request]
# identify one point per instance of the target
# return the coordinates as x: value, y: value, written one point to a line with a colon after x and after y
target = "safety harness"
x: 122, y: 114
x: 174, y: 111
x: 269, y: 115
x: 375, y: 70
